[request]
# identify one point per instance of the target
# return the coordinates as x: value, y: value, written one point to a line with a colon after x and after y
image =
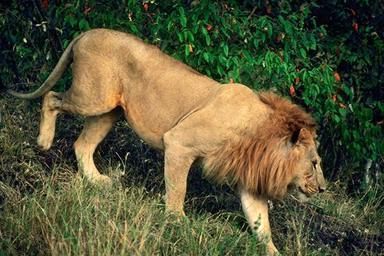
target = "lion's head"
x: 308, y: 176
x: 280, y: 154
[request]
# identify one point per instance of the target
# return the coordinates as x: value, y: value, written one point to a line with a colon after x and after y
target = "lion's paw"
x: 44, y: 142
x: 102, y: 180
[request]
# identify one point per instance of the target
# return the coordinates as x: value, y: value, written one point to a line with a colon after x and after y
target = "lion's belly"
x: 148, y: 129
x: 153, y: 108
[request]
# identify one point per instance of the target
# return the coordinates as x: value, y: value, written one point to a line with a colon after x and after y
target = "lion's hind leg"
x: 50, y: 109
x: 94, y: 131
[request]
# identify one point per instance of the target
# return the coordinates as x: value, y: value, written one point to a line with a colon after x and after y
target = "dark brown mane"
x: 263, y: 163
x: 289, y: 117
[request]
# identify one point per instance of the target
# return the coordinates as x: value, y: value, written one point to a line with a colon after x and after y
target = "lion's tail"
x: 55, y: 75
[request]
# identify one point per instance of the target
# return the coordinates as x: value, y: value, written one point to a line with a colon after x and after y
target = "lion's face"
x: 309, y: 179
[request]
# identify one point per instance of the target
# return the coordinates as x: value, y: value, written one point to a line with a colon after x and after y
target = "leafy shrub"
x: 313, y: 53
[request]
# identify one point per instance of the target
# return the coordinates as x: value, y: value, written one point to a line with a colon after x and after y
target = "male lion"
x: 260, y: 143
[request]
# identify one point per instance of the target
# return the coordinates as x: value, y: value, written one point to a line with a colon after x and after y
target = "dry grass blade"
x: 11, y: 195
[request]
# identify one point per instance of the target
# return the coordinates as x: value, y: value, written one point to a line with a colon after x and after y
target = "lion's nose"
x: 322, y: 189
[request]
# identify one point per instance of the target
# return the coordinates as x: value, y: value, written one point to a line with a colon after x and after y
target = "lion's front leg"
x: 178, y: 160
x: 256, y: 211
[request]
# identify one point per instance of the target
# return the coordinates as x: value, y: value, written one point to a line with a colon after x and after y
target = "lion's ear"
x: 299, y: 136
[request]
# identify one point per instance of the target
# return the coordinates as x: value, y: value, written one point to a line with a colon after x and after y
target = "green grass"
x: 80, y: 219
x: 47, y: 209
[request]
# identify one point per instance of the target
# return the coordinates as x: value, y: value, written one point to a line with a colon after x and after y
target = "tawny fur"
x: 263, y: 163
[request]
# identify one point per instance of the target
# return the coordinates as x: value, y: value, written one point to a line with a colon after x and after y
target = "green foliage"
x: 332, y: 67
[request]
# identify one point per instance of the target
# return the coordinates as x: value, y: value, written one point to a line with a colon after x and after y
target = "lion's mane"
x: 263, y: 163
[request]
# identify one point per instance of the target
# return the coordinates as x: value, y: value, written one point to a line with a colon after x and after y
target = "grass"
x: 47, y: 209
x: 79, y: 219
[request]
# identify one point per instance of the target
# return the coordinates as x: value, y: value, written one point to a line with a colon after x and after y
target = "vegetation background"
x: 325, y: 55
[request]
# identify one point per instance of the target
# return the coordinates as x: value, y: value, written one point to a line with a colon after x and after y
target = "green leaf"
x: 186, y: 50
x: 220, y: 70
x: 206, y: 57
x: 183, y: 21
x: 225, y: 49
x: 190, y: 36
x: 206, y: 36
x: 281, y: 20
x: 170, y: 26
x: 83, y: 25
x: 182, y: 17
x: 71, y: 20
x: 336, y: 118
x: 180, y: 36
x: 303, y: 53
x: 343, y: 112
x: 66, y: 43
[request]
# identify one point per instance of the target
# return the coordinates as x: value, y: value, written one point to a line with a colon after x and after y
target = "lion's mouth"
x: 301, y: 195
x: 301, y: 190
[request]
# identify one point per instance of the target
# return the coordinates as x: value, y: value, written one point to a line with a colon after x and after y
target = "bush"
x: 328, y: 57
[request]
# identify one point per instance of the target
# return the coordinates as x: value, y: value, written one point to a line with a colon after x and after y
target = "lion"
x: 257, y: 142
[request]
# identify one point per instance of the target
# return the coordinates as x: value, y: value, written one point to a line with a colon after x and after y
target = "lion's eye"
x: 314, y: 163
